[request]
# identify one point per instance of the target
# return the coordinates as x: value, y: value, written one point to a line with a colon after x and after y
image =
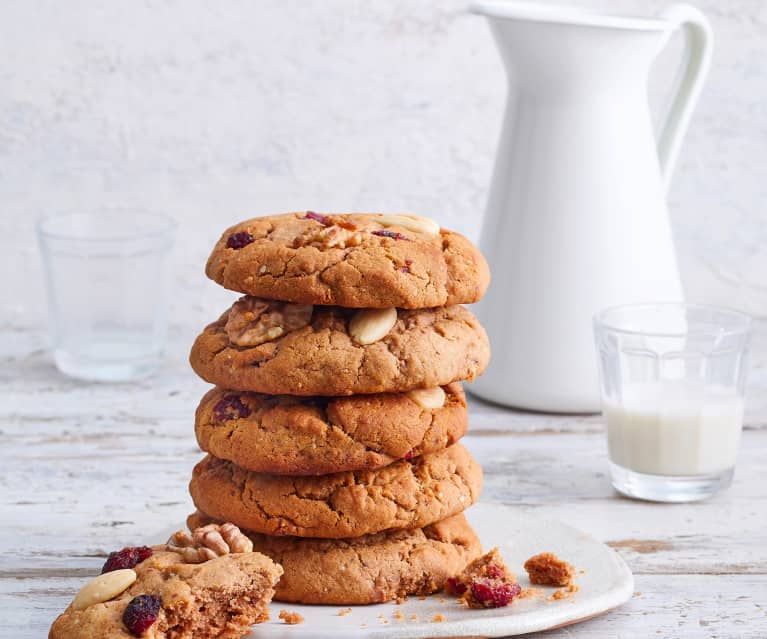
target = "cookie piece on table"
x: 165, y: 596
x: 352, y: 260
x: 288, y: 349
x: 405, y: 494
x: 370, y: 569
x: 289, y: 435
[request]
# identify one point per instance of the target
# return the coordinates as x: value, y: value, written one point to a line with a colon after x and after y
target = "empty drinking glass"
x: 107, y: 277
x: 673, y: 384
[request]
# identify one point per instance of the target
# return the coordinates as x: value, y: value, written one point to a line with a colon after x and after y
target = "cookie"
x: 276, y: 348
x: 167, y: 597
x: 287, y: 435
x: 352, y: 260
x: 369, y: 569
x: 405, y: 494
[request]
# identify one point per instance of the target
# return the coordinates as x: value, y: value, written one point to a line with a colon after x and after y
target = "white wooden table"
x: 89, y: 468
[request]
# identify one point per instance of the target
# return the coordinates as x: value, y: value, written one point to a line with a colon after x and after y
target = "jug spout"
x: 572, y: 50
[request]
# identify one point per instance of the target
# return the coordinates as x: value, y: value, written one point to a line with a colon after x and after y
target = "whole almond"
x: 428, y: 398
x: 103, y: 588
x: 410, y: 222
x: 371, y: 324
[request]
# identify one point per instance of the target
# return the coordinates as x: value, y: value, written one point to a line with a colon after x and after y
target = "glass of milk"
x: 673, y: 381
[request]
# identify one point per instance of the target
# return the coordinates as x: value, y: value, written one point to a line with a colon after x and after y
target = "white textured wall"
x: 213, y: 111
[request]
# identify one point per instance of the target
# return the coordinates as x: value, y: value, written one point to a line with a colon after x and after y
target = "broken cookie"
x: 162, y: 595
x: 546, y: 569
x: 485, y: 583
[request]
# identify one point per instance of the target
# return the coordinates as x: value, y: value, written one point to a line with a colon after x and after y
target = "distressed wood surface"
x: 87, y: 468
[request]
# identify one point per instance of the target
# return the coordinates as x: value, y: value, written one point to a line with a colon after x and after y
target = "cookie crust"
x: 405, y: 494
x: 286, y: 435
x: 370, y: 569
x: 292, y: 257
x: 430, y: 347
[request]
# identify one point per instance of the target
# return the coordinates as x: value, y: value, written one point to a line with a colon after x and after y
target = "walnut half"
x: 253, y: 321
x: 209, y: 542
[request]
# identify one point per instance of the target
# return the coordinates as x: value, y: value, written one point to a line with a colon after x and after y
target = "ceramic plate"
x: 606, y: 582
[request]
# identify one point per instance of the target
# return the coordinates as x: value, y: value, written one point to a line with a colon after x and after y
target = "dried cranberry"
x: 317, y: 217
x: 409, y: 455
x: 141, y: 613
x: 395, y: 235
x: 406, y: 267
x: 238, y: 240
x: 454, y: 587
x: 128, y: 557
x: 494, y: 593
x: 230, y: 407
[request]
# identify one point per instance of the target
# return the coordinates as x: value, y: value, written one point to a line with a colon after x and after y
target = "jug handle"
x: 699, y: 41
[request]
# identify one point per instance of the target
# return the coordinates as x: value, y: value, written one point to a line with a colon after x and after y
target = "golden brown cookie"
x: 369, y: 569
x: 287, y: 435
x: 405, y: 494
x: 273, y: 348
x: 221, y: 597
x: 352, y: 260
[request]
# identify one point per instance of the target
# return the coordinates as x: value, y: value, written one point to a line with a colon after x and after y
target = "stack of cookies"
x: 332, y: 431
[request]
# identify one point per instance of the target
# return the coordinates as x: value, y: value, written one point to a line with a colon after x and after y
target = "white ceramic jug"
x: 576, y: 218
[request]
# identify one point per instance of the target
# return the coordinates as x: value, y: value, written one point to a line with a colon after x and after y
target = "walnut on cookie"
x: 209, y: 542
x: 253, y: 321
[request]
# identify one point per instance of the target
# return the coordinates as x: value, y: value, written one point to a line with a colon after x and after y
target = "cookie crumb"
x: 344, y: 611
x: 398, y: 615
x: 291, y: 618
x: 532, y: 593
x: 546, y: 569
x: 438, y: 618
x: 422, y: 598
x: 414, y: 617
x: 442, y: 600
x: 485, y: 583
x: 565, y: 593
x: 401, y: 599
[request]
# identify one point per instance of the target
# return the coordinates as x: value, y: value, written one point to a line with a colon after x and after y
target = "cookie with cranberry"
x: 370, y: 569
x: 164, y: 596
x: 298, y: 349
x: 486, y: 582
x: 405, y: 494
x: 288, y: 435
x: 353, y: 260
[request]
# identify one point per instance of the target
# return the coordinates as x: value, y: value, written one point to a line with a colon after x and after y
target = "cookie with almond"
x: 355, y: 260
x: 274, y: 348
x: 288, y: 435
x: 220, y: 594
